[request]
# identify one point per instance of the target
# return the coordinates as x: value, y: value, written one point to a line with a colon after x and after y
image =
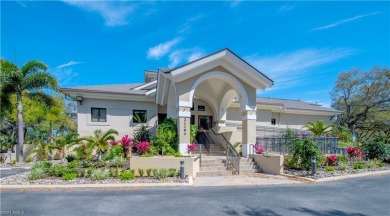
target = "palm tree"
x: 28, y: 81
x: 318, y: 128
x: 62, y: 142
x: 100, y: 141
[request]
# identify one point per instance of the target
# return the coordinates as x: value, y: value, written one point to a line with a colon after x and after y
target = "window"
x: 98, y: 114
x: 139, y: 116
x: 273, y: 121
x: 201, y: 108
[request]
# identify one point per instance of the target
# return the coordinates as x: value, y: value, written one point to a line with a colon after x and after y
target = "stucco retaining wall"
x: 270, y: 163
x: 191, y: 167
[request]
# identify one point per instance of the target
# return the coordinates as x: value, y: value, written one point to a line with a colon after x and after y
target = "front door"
x: 205, y: 122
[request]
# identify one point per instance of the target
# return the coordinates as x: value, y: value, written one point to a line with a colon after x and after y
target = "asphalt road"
x: 13, y: 171
x: 363, y: 196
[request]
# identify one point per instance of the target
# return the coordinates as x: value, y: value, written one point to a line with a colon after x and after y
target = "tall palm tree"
x: 28, y: 81
x: 318, y: 128
x: 100, y: 141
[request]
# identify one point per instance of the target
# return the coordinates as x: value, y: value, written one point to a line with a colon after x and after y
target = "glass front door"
x: 205, y: 122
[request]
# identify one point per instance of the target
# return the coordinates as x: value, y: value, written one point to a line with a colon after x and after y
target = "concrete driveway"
x: 363, y: 196
x: 12, y: 171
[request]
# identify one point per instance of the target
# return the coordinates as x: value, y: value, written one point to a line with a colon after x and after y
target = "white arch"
x: 225, y: 102
x: 172, y: 102
x: 231, y: 80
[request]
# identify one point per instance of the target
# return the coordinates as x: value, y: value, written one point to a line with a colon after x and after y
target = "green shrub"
x: 36, y: 173
x: 302, y: 150
x: 171, y: 172
x: 140, y: 172
x: 288, y: 162
x: 166, y: 139
x: 74, y: 164
x: 115, y: 151
x: 148, y: 172
x: 358, y: 165
x: 380, y: 164
x: 330, y: 168
x: 343, y: 165
x: 127, y: 175
x: 115, y: 172
x: 118, y: 161
x: 342, y: 158
x: 370, y: 164
x: 28, y: 159
x: 98, y: 174
x: 375, y: 150
x: 88, y: 172
x: 161, y: 173
x: 141, y: 134
x: 57, y: 170
x: 87, y: 164
x: 69, y: 176
x: 154, y: 171
x: 71, y: 157
x: 44, y: 165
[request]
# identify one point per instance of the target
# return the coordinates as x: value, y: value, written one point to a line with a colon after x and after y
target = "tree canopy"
x: 364, y: 98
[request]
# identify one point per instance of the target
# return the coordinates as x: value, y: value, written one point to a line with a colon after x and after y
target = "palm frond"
x: 32, y: 67
x: 40, y: 80
x: 47, y: 100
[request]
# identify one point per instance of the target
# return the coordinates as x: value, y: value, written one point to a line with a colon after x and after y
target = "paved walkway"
x: 255, y: 179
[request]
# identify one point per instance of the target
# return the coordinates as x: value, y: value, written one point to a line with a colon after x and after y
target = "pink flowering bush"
x: 331, y: 160
x: 191, y: 147
x: 125, y: 141
x: 259, y: 149
x: 143, y: 147
x: 354, y: 152
x: 113, y: 142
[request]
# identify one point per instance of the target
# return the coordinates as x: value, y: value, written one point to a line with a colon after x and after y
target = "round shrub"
x: 98, y: 174
x: 127, y: 175
x: 36, y: 173
x: 69, y: 176
x: 57, y: 170
x: 375, y: 150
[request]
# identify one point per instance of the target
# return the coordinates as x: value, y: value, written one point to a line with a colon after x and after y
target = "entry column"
x: 248, y: 131
x: 183, y: 128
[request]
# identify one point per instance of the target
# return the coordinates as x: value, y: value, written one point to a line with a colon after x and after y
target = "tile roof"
x: 117, y: 88
x: 293, y: 104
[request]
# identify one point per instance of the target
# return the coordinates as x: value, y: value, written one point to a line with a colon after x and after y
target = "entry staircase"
x: 214, y: 160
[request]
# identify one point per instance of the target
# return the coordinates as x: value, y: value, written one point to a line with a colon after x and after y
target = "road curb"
x: 11, y: 168
x: 87, y: 186
x: 338, y: 178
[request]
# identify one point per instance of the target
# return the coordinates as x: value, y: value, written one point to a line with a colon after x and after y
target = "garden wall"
x: 191, y: 167
x: 269, y: 163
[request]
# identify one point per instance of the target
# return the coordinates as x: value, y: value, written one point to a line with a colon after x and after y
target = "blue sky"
x: 302, y: 46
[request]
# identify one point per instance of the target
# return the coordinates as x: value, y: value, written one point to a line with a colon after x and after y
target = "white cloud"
x: 69, y: 64
x: 162, y: 49
x: 285, y: 8
x: 21, y: 4
x: 343, y: 21
x: 235, y: 3
x: 115, y: 13
x: 296, y: 68
x: 65, y: 76
x: 187, y: 25
x: 184, y: 56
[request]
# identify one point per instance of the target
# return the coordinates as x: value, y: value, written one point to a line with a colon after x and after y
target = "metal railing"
x: 232, y: 157
x: 327, y: 145
x: 199, y: 156
x: 202, y: 138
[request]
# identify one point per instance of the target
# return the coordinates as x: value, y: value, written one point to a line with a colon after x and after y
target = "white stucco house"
x: 217, y: 91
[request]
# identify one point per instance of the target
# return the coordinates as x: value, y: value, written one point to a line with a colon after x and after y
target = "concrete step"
x: 207, y: 169
x: 245, y: 171
x: 249, y: 167
x: 212, y: 165
x: 211, y: 161
x: 213, y: 173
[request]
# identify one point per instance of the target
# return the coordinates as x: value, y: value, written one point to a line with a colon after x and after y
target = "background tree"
x: 364, y: 98
x: 28, y: 81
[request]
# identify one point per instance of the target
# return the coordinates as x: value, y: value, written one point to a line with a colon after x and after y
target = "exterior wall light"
x: 79, y: 99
